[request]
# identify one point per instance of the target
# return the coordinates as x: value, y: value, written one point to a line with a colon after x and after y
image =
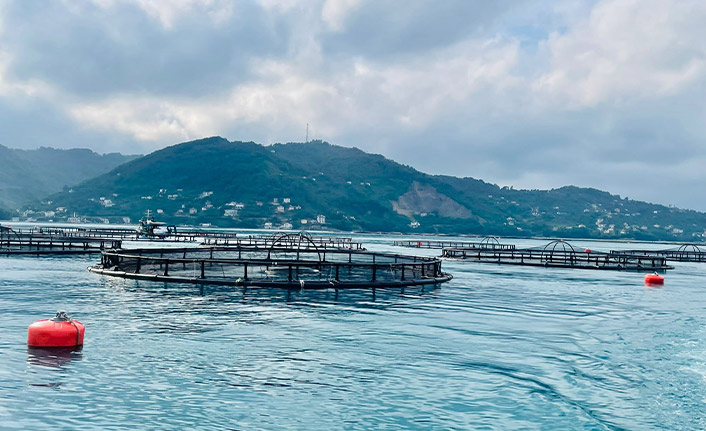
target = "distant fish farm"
x: 304, y: 261
x: 170, y: 235
x: 56, y: 240
x: 683, y: 253
x: 30, y: 243
x: 487, y: 243
x: 559, y: 254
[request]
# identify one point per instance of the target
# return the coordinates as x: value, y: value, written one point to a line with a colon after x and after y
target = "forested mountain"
x: 244, y: 184
x: 28, y: 175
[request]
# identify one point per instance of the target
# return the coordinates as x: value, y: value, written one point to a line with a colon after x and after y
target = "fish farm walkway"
x: 56, y: 247
x: 488, y: 243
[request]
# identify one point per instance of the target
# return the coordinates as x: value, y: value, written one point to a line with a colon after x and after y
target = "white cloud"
x: 285, y: 97
x: 144, y: 120
x: 627, y: 51
x: 281, y: 105
x: 335, y: 12
x: 279, y: 5
x: 168, y: 12
x: 10, y: 88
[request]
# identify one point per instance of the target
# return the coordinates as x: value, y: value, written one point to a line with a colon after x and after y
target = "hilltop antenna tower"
x: 307, y: 132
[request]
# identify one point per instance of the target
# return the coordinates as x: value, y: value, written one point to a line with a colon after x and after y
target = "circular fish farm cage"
x: 278, y: 266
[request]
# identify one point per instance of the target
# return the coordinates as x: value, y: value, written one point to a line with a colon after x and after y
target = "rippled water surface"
x: 498, y: 347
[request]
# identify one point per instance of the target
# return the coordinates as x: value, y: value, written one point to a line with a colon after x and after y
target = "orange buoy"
x: 60, y: 331
x: 653, y: 279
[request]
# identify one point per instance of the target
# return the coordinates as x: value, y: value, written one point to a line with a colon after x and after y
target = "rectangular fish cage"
x: 683, y: 253
x: 56, y: 247
x: 560, y: 254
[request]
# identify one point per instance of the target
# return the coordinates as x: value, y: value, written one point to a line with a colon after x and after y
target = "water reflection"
x: 54, y: 357
x: 358, y: 297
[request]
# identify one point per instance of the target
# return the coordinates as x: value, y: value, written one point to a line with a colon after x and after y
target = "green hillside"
x: 243, y: 184
x: 17, y: 184
x: 28, y: 175
x: 5, y: 214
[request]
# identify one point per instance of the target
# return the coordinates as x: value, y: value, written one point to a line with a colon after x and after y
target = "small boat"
x: 149, y: 228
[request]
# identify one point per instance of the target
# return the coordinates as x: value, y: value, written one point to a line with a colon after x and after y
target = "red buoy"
x: 588, y: 250
x: 60, y: 331
x: 654, y: 279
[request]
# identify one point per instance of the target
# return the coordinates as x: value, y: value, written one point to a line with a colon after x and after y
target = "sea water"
x: 498, y: 347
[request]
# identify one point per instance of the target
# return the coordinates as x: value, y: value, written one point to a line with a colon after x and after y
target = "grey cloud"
x: 396, y: 28
x: 635, y: 153
x: 35, y: 123
x: 98, y: 51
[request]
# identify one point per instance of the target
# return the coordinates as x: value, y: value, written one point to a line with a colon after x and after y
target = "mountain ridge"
x: 27, y: 175
x: 244, y: 184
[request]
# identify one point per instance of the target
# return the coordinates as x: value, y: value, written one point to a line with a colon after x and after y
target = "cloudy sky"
x: 606, y: 94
